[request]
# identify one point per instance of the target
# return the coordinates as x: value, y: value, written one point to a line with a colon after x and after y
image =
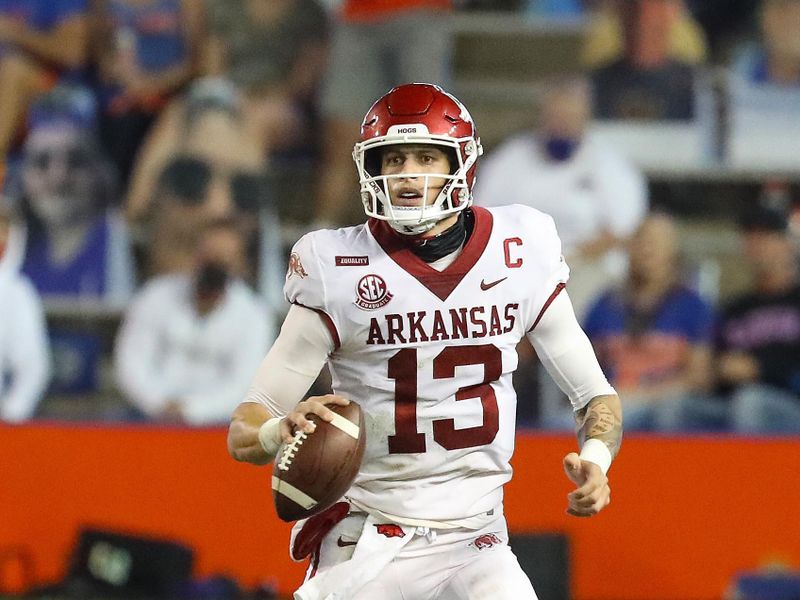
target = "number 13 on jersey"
x: 403, y: 369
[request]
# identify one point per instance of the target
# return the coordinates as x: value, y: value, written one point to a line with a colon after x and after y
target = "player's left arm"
x: 569, y: 358
x: 601, y: 420
x: 599, y: 428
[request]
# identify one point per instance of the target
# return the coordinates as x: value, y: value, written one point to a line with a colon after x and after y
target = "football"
x: 313, y: 471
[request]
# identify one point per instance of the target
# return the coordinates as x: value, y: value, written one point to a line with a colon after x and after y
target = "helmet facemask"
x: 454, y: 196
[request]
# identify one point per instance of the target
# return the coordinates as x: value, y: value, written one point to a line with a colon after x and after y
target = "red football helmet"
x: 417, y: 113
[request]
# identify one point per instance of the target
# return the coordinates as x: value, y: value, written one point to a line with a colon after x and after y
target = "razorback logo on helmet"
x: 487, y: 540
x: 390, y: 530
x: 295, y: 267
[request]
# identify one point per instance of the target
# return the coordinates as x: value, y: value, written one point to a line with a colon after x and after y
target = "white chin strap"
x: 412, y: 225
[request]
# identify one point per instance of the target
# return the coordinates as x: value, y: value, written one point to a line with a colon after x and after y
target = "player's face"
x: 415, y: 161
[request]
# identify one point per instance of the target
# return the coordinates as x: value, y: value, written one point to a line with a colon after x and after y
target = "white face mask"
x: 454, y: 196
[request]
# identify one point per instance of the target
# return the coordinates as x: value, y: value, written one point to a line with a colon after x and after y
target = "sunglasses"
x: 188, y: 179
x: 72, y: 158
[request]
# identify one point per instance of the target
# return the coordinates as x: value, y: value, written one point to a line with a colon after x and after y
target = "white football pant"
x: 442, y: 564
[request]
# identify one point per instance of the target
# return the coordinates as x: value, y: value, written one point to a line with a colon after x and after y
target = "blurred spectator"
x: 146, y: 50
x: 208, y: 123
x: 776, y: 60
x: 191, y: 193
x: 759, y: 332
x: 653, y: 336
x: 24, y: 353
x: 40, y: 40
x: 77, y: 243
x: 648, y: 80
x: 376, y: 45
x: 605, y: 41
x: 725, y: 23
x: 77, y: 246
x: 190, y: 343
x: 765, y: 91
x: 596, y: 196
x: 200, y: 163
x: 274, y: 52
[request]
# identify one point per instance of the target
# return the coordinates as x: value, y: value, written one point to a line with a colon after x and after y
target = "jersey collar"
x: 440, y: 283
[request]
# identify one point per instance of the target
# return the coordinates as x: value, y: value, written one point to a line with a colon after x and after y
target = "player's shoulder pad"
x: 310, y: 279
x: 305, y: 282
x: 534, y: 242
x: 535, y: 224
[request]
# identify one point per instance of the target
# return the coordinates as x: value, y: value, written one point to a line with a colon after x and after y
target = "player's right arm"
x: 274, y: 405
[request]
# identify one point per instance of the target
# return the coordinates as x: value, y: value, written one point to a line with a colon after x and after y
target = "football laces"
x: 291, y: 450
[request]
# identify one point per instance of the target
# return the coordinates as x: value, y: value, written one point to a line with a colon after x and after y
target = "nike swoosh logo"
x: 344, y: 543
x: 485, y: 286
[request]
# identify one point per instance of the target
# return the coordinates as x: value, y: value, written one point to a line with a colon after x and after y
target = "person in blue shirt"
x: 41, y: 41
x: 76, y: 246
x: 146, y: 51
x: 653, y: 335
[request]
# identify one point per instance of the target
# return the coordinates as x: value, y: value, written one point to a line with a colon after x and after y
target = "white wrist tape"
x: 269, y: 435
x: 597, y: 452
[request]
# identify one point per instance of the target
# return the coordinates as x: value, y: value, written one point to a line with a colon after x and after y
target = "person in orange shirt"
x: 376, y: 44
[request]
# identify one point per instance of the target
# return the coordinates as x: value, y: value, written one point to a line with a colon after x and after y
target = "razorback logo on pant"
x: 487, y: 540
x: 390, y: 530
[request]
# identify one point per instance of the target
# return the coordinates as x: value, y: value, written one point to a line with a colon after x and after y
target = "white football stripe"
x: 293, y: 493
x: 345, y: 425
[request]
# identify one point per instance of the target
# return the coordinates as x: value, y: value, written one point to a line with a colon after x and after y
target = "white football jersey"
x: 429, y: 355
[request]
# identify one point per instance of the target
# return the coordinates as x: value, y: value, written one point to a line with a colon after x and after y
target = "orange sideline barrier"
x: 687, y: 513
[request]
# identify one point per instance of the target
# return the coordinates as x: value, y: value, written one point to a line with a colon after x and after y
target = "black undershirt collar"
x: 447, y: 242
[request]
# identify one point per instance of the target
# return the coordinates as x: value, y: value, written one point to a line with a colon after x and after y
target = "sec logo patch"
x: 371, y: 292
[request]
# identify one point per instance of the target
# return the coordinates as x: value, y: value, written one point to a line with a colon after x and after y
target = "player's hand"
x: 592, y: 494
x: 297, y: 421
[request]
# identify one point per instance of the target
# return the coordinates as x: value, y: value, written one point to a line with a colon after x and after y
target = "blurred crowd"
x: 141, y: 141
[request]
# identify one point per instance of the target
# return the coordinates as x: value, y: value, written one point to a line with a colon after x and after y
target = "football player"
x: 417, y: 313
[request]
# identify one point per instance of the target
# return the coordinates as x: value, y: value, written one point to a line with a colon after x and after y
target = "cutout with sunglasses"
x: 71, y: 158
x: 191, y: 181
